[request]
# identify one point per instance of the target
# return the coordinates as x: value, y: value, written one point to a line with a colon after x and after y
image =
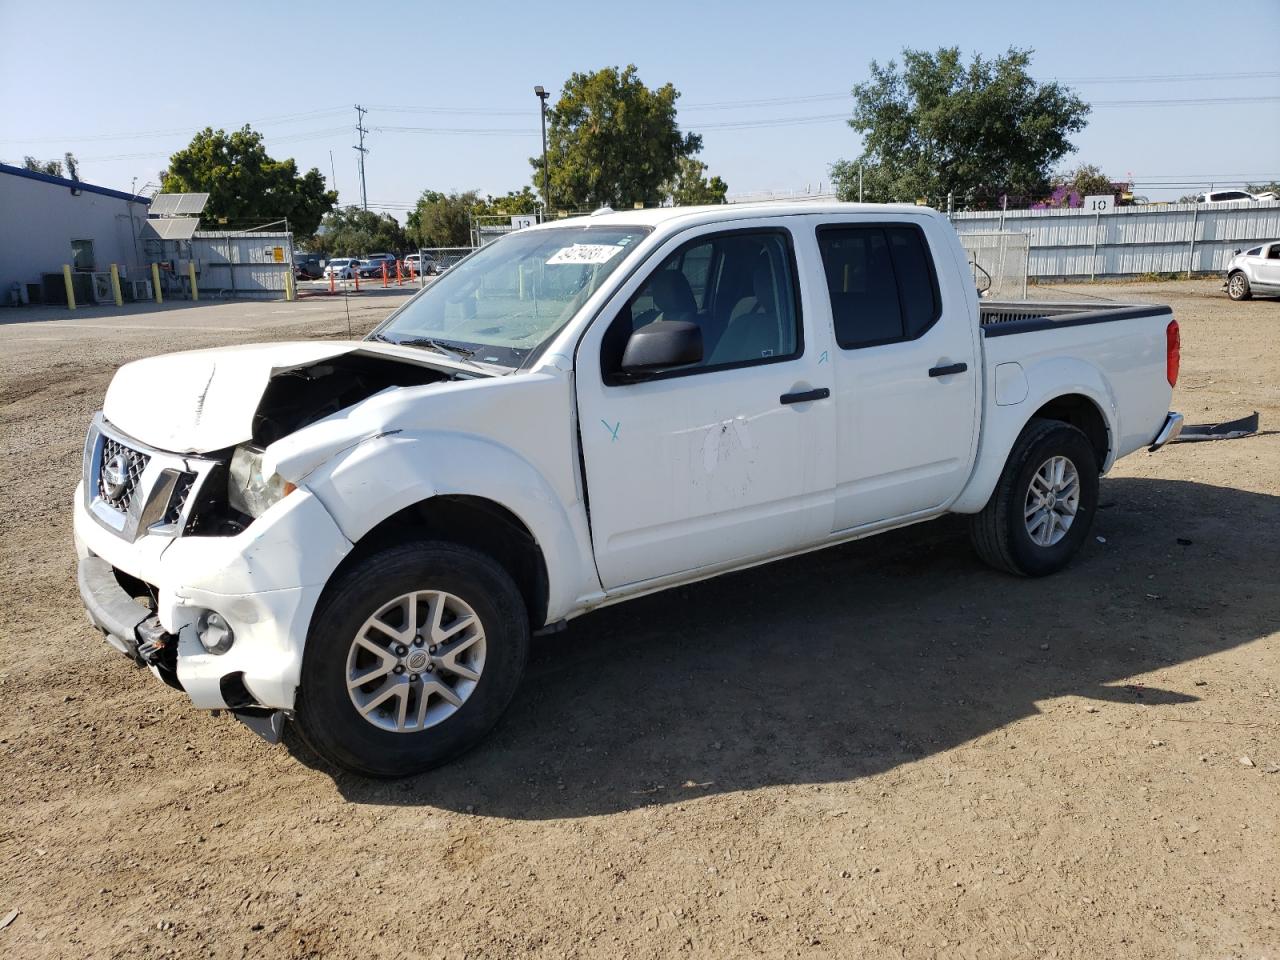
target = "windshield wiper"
x: 439, y: 346
x: 448, y: 349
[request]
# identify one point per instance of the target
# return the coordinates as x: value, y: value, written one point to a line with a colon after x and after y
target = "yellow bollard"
x: 290, y: 293
x: 155, y: 283
x: 191, y: 272
x: 115, y: 285
x: 71, y: 293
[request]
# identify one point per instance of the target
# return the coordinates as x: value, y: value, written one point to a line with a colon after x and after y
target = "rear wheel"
x: 412, y: 657
x: 1238, y: 287
x: 1043, y: 506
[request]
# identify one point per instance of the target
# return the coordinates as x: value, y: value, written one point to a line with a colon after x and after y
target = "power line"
x: 1173, y: 77
x: 177, y: 131
x: 298, y: 117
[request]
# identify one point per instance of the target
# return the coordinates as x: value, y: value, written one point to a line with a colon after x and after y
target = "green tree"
x: 691, y: 188
x: 511, y: 203
x: 352, y: 232
x: 612, y: 141
x: 938, y: 126
x: 443, y: 220
x: 245, y: 184
x: 1086, y: 180
x: 51, y: 167
x: 1272, y: 187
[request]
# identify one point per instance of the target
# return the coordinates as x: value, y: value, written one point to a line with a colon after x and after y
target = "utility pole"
x: 362, y: 150
x: 542, y: 95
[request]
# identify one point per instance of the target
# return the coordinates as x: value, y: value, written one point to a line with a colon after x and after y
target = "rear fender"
x: 1049, y: 379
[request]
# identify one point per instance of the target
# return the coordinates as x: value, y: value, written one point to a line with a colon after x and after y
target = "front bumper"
x: 1168, y: 432
x: 265, y: 581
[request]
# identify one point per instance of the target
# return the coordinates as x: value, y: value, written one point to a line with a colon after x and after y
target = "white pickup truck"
x: 361, y: 537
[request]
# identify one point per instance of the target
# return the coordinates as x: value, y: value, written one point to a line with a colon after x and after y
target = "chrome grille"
x: 115, y: 455
x: 181, y: 491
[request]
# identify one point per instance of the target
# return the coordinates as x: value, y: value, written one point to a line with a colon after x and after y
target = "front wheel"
x: 412, y: 657
x: 1043, y: 506
x: 1238, y: 287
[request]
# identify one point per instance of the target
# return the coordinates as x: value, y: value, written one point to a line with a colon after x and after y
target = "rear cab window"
x: 881, y: 281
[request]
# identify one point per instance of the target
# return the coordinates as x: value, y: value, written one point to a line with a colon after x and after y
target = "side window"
x: 917, y: 283
x: 881, y: 282
x: 739, y: 288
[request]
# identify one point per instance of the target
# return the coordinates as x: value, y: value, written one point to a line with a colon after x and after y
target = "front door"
x: 722, y: 460
x: 906, y: 364
x: 1267, y: 269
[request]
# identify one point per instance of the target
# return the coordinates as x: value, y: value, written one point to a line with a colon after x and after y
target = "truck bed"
x: 1001, y: 318
x: 1113, y: 354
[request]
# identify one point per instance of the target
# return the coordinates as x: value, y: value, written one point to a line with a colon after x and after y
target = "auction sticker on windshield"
x: 585, y: 253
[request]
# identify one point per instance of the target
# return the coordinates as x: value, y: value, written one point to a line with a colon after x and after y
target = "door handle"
x: 948, y: 369
x: 804, y: 396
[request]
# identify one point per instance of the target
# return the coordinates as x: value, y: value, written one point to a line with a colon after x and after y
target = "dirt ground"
x: 882, y: 750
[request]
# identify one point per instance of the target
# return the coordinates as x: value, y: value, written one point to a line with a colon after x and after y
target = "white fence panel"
x: 1157, y: 238
x: 248, y: 265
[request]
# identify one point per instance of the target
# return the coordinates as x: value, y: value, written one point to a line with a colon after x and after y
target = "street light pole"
x: 546, y: 170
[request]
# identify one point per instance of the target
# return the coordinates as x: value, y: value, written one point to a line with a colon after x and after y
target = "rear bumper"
x: 1172, y: 427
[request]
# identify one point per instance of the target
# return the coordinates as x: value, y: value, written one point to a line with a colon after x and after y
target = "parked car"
x: 372, y: 265
x: 423, y: 263
x: 341, y: 268
x: 360, y: 538
x: 1229, y: 196
x: 308, y: 266
x: 1254, y: 271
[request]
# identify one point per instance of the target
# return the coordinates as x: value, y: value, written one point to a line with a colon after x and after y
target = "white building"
x: 48, y: 221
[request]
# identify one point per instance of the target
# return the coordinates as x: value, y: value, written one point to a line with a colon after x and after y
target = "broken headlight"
x: 247, y: 489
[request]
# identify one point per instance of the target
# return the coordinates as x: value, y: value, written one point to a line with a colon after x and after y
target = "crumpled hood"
x: 204, y: 400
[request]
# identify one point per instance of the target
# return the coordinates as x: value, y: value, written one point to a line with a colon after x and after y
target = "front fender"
x: 378, y: 477
x: 1048, y: 379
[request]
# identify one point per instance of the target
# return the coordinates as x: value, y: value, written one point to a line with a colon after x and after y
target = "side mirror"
x: 1235, y: 252
x: 662, y: 344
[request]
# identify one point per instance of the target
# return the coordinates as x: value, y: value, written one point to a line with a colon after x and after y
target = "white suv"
x: 1231, y: 196
x: 341, y: 268
x: 1256, y: 270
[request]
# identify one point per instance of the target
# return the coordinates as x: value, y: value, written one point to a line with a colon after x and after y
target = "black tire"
x: 999, y: 533
x: 1238, y: 287
x: 325, y: 714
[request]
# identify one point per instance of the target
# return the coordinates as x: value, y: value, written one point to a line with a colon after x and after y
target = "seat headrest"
x: 762, y: 283
x: 673, y: 295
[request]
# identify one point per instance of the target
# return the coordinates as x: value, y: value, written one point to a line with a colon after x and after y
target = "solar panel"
x: 170, y: 228
x: 178, y: 204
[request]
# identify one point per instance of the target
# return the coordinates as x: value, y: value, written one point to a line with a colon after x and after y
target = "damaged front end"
x: 195, y: 563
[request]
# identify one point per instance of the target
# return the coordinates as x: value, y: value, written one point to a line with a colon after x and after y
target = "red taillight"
x: 1173, y: 352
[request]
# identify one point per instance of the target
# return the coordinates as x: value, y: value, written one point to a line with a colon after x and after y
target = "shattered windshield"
x: 502, y: 302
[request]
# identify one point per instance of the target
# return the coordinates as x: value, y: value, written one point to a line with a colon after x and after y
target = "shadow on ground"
x: 856, y: 659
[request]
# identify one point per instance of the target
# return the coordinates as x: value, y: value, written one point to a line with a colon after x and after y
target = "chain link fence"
x: 1000, y: 263
x: 434, y: 261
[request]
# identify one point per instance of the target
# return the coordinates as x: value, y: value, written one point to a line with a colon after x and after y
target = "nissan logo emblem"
x: 115, y: 476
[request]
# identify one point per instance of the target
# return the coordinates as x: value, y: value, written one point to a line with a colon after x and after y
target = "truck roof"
x: 655, y: 216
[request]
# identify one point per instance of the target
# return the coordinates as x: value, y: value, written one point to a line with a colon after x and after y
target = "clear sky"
x: 123, y: 85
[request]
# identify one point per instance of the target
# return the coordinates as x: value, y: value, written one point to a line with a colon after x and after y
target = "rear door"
x: 724, y: 460
x: 906, y: 367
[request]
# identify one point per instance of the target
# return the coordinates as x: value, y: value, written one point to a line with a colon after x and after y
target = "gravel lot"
x: 883, y: 749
